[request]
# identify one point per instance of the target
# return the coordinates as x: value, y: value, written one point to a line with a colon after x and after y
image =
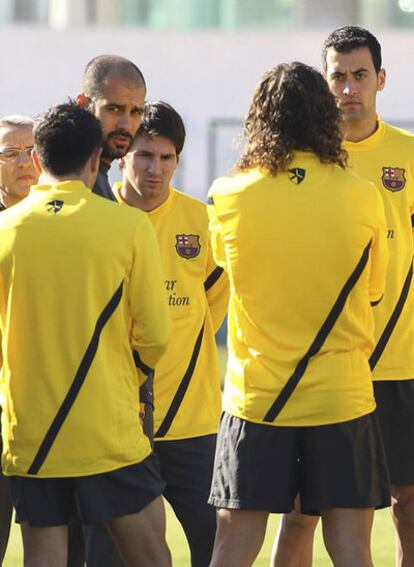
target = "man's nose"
x: 349, y: 88
x: 24, y: 157
x: 155, y: 166
x: 124, y: 122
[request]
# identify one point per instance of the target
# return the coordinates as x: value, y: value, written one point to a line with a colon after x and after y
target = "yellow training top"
x: 387, y: 159
x: 306, y: 254
x: 187, y: 396
x: 80, y: 287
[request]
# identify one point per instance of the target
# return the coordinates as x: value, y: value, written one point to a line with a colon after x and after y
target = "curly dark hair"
x: 292, y: 109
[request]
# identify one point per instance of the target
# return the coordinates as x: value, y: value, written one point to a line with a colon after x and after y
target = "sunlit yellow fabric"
x: 53, y: 299
x: 387, y: 159
x: 196, y: 292
x: 290, y: 244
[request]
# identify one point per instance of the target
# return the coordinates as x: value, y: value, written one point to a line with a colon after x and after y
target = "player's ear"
x: 82, y: 100
x: 95, y: 160
x: 36, y: 162
x: 121, y: 163
x: 381, y: 79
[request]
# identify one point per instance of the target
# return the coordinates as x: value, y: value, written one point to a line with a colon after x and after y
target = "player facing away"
x: 385, y: 155
x: 187, y: 380
x: 70, y: 427
x: 304, y: 243
x: 17, y: 174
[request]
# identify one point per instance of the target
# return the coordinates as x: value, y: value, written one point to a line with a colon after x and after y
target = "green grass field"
x: 382, y: 544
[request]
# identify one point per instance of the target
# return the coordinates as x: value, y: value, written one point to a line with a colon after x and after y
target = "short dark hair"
x: 348, y: 38
x: 292, y: 109
x: 161, y: 119
x: 100, y: 67
x: 65, y: 138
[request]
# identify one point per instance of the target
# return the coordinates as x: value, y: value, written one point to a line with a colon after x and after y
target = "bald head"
x: 104, y: 67
x: 114, y: 90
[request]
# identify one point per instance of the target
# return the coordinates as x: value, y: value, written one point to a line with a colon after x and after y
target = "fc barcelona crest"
x: 187, y: 245
x: 393, y: 178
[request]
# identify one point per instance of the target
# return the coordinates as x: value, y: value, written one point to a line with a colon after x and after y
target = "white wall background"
x: 205, y: 75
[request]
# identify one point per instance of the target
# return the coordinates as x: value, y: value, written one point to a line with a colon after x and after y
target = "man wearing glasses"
x: 17, y: 173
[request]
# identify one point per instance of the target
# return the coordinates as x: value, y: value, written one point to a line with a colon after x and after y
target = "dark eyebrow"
x: 342, y: 73
x: 115, y: 105
x: 139, y: 109
x: 336, y: 74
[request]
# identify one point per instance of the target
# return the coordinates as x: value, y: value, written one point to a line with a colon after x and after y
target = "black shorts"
x: 262, y: 467
x: 186, y: 467
x: 47, y: 502
x: 395, y: 412
x: 146, y: 392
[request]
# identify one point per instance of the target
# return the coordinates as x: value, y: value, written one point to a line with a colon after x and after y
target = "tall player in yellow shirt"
x: 187, y: 397
x: 384, y: 155
x: 304, y: 243
x: 68, y: 380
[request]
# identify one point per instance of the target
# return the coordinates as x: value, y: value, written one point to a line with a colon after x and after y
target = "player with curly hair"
x: 304, y: 243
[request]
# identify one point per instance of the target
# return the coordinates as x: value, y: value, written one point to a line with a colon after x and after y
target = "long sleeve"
x: 151, y: 325
x: 379, y: 254
x: 217, y: 290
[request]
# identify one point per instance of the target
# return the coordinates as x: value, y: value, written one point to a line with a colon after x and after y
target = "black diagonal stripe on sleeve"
x: 320, y: 338
x: 77, y: 383
x: 412, y: 220
x: 182, y: 388
x: 212, y: 278
x: 390, y: 326
x: 141, y: 365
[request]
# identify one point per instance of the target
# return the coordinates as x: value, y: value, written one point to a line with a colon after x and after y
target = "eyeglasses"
x: 11, y: 154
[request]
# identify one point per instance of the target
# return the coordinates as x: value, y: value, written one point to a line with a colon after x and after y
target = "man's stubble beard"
x: 109, y: 153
